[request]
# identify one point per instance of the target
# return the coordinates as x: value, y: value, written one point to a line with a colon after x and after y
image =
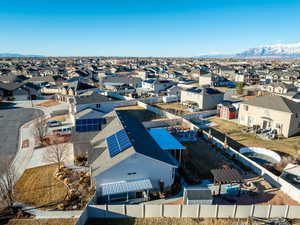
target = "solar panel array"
x: 117, y: 143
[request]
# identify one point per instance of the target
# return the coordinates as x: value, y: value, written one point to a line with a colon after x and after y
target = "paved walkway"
x: 53, y: 214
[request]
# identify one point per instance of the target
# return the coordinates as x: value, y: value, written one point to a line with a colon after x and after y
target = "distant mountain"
x: 216, y: 56
x: 268, y: 51
x: 273, y: 51
x: 17, y: 55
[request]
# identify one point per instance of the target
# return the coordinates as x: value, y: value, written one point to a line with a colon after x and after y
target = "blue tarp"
x: 164, y: 139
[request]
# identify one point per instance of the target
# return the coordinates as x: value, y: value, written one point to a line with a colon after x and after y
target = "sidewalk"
x: 43, y: 214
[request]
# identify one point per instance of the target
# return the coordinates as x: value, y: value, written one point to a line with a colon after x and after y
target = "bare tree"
x: 7, y: 181
x: 56, y: 153
x: 40, y: 127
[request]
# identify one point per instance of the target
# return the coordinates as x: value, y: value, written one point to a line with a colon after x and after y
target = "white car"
x: 54, y: 123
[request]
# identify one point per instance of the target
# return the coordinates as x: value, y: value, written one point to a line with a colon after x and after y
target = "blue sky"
x: 145, y: 28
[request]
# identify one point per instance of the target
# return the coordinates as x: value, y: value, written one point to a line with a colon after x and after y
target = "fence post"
x: 287, y: 211
x: 217, y: 211
x: 180, y: 210
x: 162, y: 210
x: 144, y: 209
x: 234, y: 211
x: 252, y: 210
x: 198, y: 213
x: 106, y: 210
x: 124, y: 210
x: 269, y: 211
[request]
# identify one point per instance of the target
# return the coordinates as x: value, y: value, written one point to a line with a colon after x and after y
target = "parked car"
x: 54, y: 123
x: 62, y: 131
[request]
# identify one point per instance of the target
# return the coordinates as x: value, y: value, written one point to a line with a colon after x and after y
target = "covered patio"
x: 168, y: 142
x: 227, y: 176
x: 133, y: 191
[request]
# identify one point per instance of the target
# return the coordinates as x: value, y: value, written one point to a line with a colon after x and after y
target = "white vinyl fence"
x: 192, y: 211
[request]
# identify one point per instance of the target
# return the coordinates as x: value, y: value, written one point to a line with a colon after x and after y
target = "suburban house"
x: 205, y: 98
x: 127, y: 163
x: 156, y: 86
x: 96, y: 100
x: 88, y: 119
x: 19, y: 91
x: 279, y: 88
x: 227, y: 111
x: 120, y: 88
x: 271, y: 112
x: 214, y: 80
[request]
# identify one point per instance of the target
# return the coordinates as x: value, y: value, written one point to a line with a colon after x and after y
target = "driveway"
x: 10, y: 121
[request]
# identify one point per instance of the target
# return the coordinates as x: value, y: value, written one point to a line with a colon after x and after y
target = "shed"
x: 197, y: 195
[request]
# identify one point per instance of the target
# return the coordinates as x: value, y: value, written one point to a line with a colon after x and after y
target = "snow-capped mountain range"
x: 278, y: 50
x: 267, y: 51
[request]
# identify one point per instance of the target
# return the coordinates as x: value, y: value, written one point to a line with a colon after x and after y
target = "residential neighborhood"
x: 150, y: 112
x: 171, y: 141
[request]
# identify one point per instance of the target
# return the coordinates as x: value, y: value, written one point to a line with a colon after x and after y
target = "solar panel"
x: 118, y: 142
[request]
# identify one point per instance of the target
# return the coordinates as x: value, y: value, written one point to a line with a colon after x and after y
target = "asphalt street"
x: 10, y: 121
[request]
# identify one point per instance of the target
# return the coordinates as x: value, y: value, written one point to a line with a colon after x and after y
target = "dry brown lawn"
x: 233, y: 130
x: 49, y: 103
x: 174, y: 106
x: 38, y: 187
x: 42, y: 222
x: 61, y: 118
x: 132, y: 107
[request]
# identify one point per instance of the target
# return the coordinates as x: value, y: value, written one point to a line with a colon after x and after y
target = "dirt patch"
x: 142, y: 114
x: 49, y: 103
x: 42, y: 222
x: 38, y: 187
x: 61, y: 118
x: 199, y: 159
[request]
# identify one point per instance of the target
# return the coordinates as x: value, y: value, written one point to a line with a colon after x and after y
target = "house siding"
x: 143, y: 166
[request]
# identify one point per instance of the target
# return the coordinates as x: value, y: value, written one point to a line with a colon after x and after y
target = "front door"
x: 265, y: 124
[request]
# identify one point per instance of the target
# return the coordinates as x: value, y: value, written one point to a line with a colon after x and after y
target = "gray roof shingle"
x: 278, y: 103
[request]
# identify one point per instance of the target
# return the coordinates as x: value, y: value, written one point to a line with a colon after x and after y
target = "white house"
x: 97, y: 101
x: 206, y: 98
x: 127, y: 163
x: 156, y: 86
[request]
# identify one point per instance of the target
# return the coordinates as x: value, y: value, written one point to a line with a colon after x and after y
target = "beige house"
x: 274, y: 112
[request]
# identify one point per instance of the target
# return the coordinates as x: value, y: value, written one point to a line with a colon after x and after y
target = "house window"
x: 296, y: 115
x: 98, y: 105
x: 246, y: 108
x: 279, y: 125
x: 299, y: 125
x: 133, y: 173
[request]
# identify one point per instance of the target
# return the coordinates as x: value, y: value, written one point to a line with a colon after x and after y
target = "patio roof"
x: 227, y: 176
x: 164, y: 139
x: 125, y: 187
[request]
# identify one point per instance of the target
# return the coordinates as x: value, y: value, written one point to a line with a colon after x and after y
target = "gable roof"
x: 92, y: 98
x: 99, y: 156
x: 278, y: 103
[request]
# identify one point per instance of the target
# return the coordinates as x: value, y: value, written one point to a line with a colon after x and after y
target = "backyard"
x: 39, y: 188
x: 140, y: 114
x: 174, y: 107
x: 199, y: 159
x: 49, y: 103
x: 233, y: 130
